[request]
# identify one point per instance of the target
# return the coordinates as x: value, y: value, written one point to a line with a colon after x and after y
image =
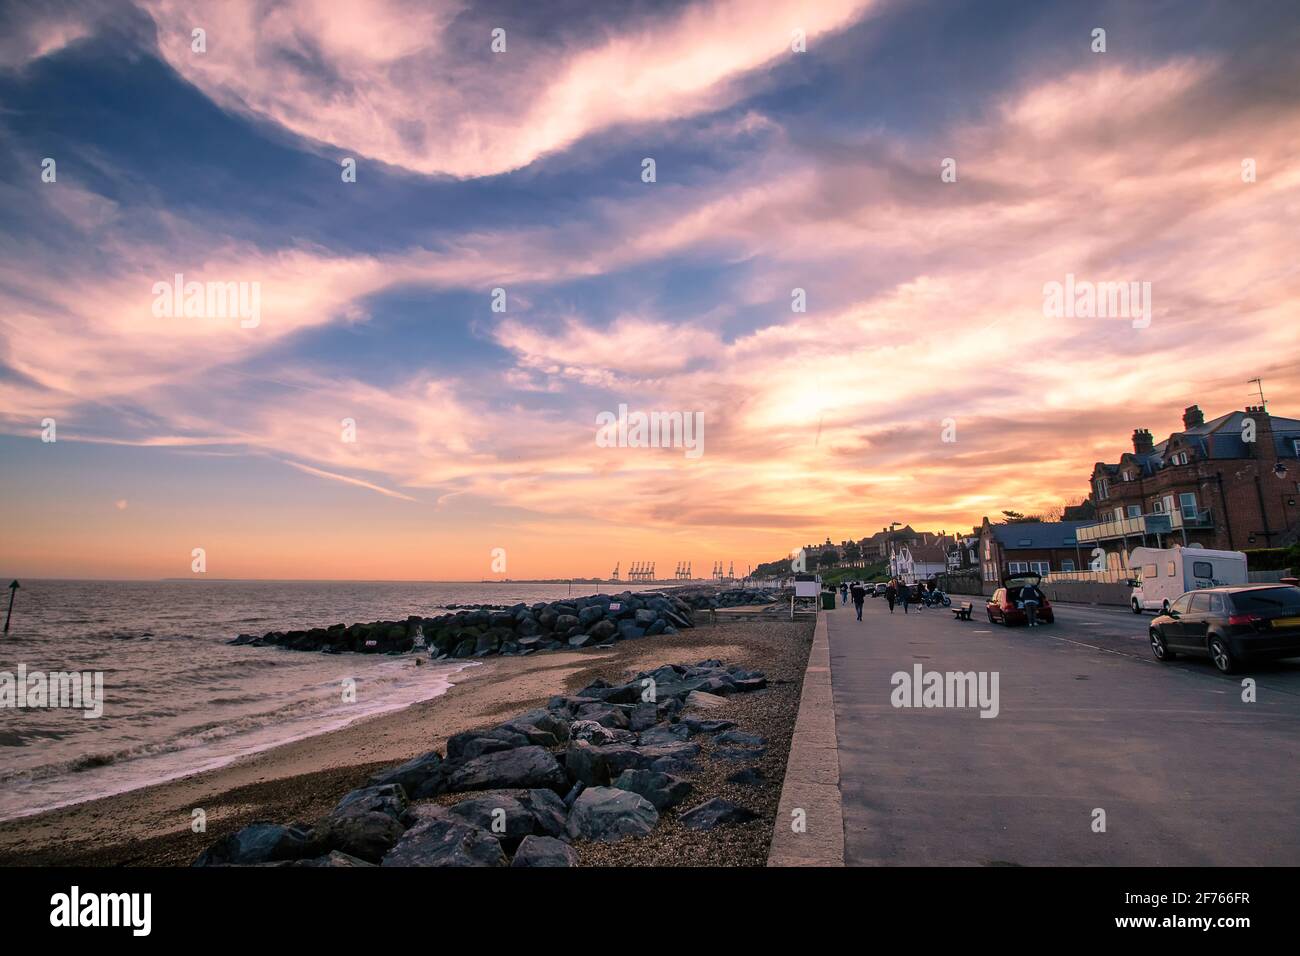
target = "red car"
x: 1004, y: 607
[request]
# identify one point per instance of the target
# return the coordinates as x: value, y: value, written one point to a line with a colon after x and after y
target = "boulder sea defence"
x: 520, y: 629
x: 569, y: 772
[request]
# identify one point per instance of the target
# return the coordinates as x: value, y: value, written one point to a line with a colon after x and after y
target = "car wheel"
x: 990, y: 614
x: 1159, y: 649
x: 1137, y: 608
x: 1221, y: 656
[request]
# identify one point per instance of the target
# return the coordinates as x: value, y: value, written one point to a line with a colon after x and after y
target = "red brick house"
x: 1041, y: 546
x: 1231, y: 483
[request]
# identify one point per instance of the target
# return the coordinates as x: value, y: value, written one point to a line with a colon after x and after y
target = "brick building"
x: 1042, y: 546
x: 1231, y: 483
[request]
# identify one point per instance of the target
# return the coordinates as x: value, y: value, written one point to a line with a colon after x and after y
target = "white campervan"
x: 1161, y: 575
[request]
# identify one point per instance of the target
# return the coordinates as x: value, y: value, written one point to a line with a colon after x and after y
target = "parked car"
x: 1004, y: 606
x: 1230, y: 625
x: 1162, y: 574
x: 880, y: 589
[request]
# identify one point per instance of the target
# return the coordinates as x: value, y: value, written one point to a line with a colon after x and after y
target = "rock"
x: 629, y: 630
x: 737, y: 753
x: 643, y: 717
x: 697, y: 726
x: 389, y: 798
x: 572, y: 795
x: 332, y: 859
x: 361, y: 833
x: 411, y: 774
x: 704, y: 701
x: 677, y: 750
x: 663, y: 734
x: 545, y: 720
x: 260, y: 842
x: 565, y: 623
x: 598, y: 734
x: 599, y: 765
x: 750, y: 776
x: 608, y: 715
x: 512, y: 814
x: 544, y: 851
x: 603, y: 630
x: 524, y: 768
x: 607, y: 815
x: 672, y: 765
x: 661, y: 789
x: 476, y: 743
x: 741, y: 739
x: 445, y: 842
x: 715, y: 813
x: 590, y: 615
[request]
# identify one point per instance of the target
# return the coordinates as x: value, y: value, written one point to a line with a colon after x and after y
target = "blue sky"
x: 776, y: 170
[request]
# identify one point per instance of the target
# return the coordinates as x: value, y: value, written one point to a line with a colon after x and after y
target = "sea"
x: 177, y: 699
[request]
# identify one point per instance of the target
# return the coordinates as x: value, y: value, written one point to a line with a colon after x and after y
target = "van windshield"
x: 1267, y: 600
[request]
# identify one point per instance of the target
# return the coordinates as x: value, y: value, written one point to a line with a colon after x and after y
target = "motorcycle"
x: 937, y: 598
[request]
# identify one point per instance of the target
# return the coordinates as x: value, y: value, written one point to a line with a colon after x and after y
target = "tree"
x: 1015, y: 517
x: 852, y: 553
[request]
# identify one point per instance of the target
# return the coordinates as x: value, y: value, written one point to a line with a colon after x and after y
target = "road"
x: 1186, y: 772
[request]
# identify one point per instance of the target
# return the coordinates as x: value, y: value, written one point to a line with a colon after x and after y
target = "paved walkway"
x: 1186, y: 772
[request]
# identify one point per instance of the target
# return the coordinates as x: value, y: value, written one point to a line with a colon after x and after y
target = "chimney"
x: 1264, y: 447
x: 1143, y: 444
x: 1193, y: 416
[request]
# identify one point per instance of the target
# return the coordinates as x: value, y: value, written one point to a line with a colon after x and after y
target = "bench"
x: 962, y: 611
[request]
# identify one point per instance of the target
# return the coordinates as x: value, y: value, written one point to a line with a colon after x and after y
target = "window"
x: 1157, y: 507
x: 1119, y: 514
x: 1202, y: 569
x: 1067, y: 565
x: 1149, y: 571
x: 1135, y: 511
x: 1017, y: 567
x: 1181, y: 604
x: 1200, y: 602
x: 1187, y: 504
x: 1103, y: 490
x: 1040, y: 567
x: 1171, y: 571
x: 1295, y: 446
x: 1279, y: 600
x: 1167, y: 504
x: 1128, y: 476
x: 1216, y: 603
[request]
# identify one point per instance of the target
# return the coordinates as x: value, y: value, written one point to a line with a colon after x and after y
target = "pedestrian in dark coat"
x: 859, y: 594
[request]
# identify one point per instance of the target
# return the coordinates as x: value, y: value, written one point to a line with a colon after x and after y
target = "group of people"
x: 896, y: 592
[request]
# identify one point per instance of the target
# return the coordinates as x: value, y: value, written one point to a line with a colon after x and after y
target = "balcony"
x: 1141, y: 525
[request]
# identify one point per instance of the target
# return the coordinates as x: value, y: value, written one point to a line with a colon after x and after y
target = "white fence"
x: 1107, y: 576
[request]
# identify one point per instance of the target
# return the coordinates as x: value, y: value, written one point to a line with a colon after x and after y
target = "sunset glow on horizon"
x: 799, y: 272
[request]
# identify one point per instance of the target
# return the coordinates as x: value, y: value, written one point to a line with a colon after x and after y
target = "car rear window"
x: 1267, y: 600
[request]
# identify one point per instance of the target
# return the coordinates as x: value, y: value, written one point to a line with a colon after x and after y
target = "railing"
x: 1106, y: 576
x: 1139, y: 525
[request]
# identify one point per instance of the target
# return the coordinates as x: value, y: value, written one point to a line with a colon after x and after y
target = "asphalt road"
x: 1186, y: 772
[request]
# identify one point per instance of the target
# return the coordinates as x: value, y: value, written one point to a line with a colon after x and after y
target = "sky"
x: 839, y: 266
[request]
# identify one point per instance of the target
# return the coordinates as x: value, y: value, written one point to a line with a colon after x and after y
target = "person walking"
x: 844, y: 594
x: 891, y: 594
x: 859, y: 595
x: 904, y: 595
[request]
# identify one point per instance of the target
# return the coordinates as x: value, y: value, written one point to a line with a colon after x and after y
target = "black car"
x: 1230, y: 625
